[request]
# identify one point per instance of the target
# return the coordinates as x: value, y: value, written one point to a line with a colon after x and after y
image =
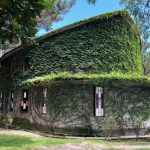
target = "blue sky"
x: 82, y: 10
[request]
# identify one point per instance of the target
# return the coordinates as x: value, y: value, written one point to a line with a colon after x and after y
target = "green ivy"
x: 132, y: 79
x: 102, y: 44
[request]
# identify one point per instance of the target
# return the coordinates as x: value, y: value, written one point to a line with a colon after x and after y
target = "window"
x: 99, y: 101
x: 24, y: 101
x: 26, y: 64
x: 1, y: 102
x: 44, y: 108
x: 12, y: 67
x: 11, y: 101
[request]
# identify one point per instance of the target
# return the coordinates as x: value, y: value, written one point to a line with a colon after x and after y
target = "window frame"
x: 102, y: 109
x: 24, y: 107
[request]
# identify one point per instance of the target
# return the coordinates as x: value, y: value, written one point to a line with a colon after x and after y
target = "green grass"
x: 24, y: 142
x: 17, y: 142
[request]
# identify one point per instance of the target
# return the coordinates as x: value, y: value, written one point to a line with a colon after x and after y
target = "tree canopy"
x: 140, y: 10
x: 18, y: 18
x: 53, y: 14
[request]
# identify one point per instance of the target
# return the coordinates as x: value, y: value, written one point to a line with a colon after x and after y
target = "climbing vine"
x: 102, y: 44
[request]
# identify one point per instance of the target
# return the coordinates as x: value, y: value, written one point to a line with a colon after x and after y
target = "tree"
x: 91, y: 1
x: 140, y: 10
x: 53, y: 14
x: 18, y: 18
x: 146, y: 58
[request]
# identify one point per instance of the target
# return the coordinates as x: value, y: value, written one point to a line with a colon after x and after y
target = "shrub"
x: 7, y: 121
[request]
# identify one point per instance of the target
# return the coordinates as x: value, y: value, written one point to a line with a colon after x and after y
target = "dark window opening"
x: 1, y: 102
x: 25, y: 101
x: 11, y: 101
x: 12, y: 67
x: 26, y: 64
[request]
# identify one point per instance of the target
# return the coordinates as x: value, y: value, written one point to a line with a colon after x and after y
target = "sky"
x: 82, y: 10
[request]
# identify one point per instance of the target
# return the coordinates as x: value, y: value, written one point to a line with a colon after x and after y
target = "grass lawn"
x: 20, y: 140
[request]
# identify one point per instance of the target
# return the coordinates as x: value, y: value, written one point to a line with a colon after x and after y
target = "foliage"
x: 72, y: 105
x: 108, y: 125
x: 66, y: 100
x: 91, y: 1
x: 87, y: 46
x: 140, y: 10
x: 27, y: 125
x: 53, y: 14
x: 18, y: 18
x: 99, y: 78
x: 130, y: 106
x: 101, y: 51
x: 146, y: 66
x: 147, y: 131
x: 7, y: 121
x: 33, y: 15
x: 137, y: 122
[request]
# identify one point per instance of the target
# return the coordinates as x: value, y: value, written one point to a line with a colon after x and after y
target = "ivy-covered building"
x: 83, y: 75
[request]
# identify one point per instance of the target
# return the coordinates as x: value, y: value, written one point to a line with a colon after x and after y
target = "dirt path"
x: 72, y: 146
x: 86, y: 146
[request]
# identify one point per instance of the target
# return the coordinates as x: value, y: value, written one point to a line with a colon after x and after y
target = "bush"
x: 27, y: 125
x: 7, y: 121
x: 107, y: 126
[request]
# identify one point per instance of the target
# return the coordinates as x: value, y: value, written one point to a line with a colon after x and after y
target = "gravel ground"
x: 85, y: 146
x: 72, y: 146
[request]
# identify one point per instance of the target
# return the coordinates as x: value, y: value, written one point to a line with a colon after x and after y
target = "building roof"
x: 113, y: 78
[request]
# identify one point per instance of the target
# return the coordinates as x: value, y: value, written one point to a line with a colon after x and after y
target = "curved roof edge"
x: 113, y: 78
